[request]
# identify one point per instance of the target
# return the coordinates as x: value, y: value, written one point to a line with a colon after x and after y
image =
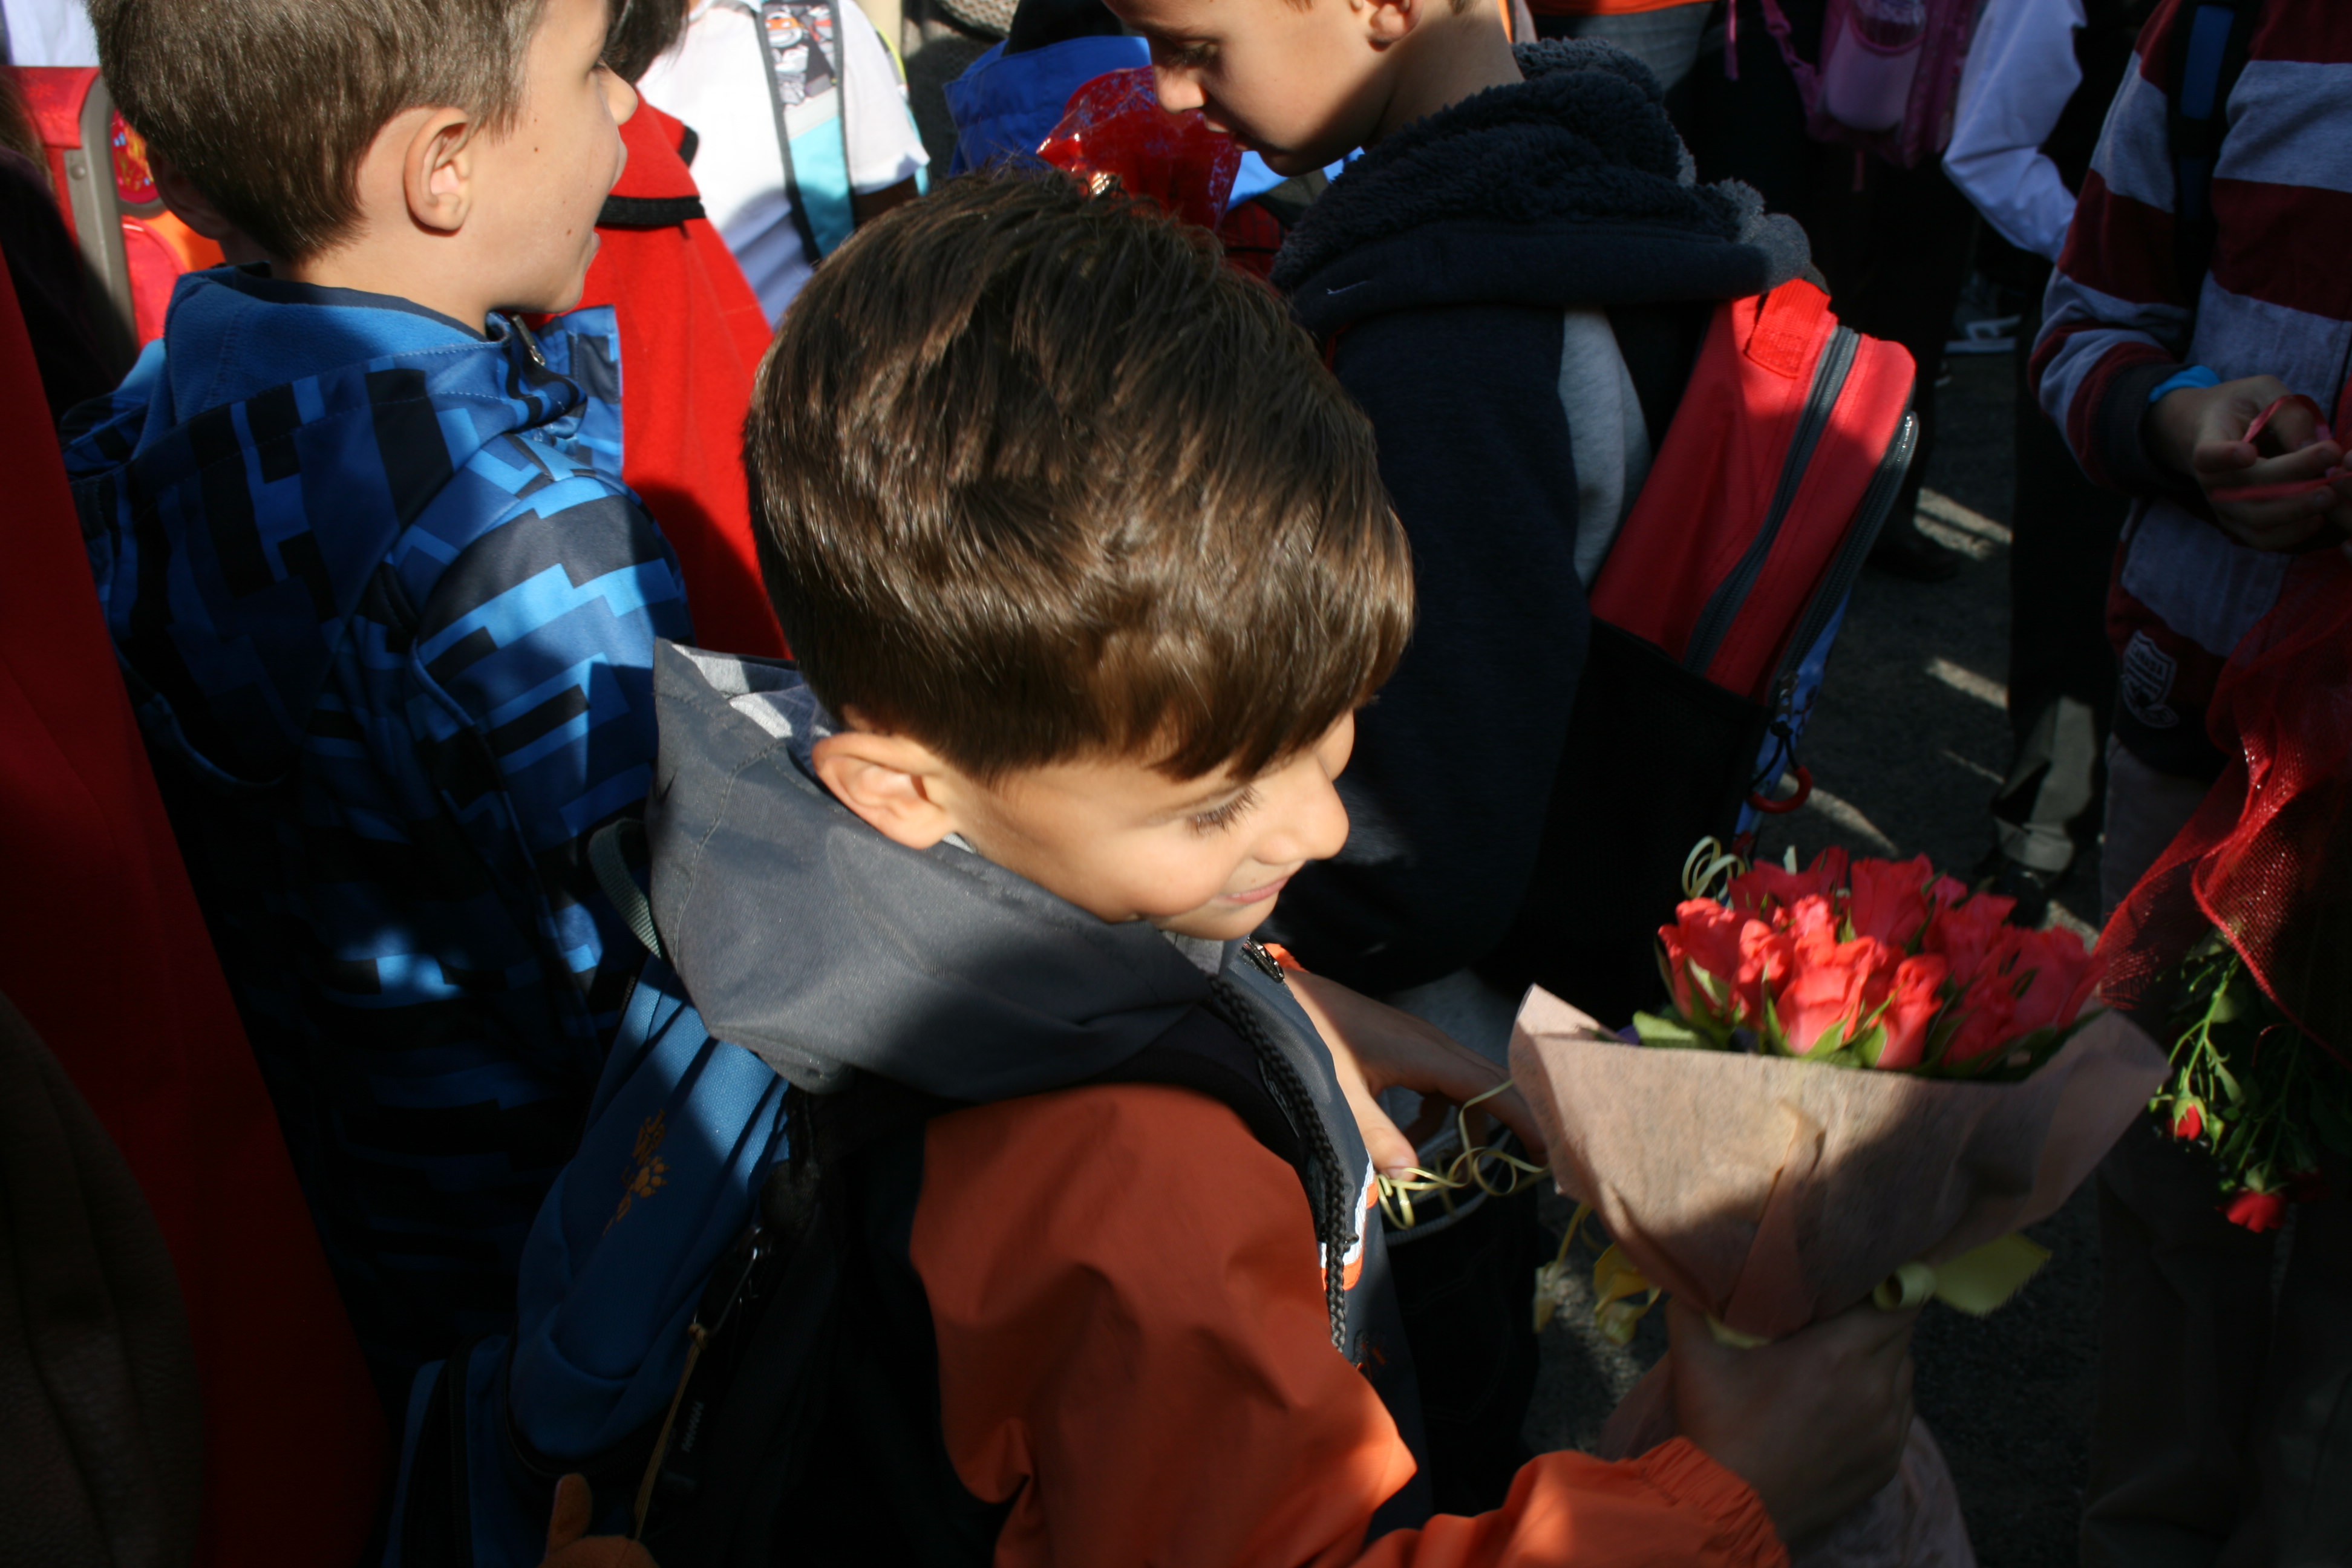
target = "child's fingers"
x: 2272, y: 504
x: 2237, y: 463
x: 2289, y: 421
x: 574, y: 1508
x: 1390, y: 1151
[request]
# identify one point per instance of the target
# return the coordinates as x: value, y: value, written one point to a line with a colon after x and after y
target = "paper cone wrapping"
x: 1771, y: 1192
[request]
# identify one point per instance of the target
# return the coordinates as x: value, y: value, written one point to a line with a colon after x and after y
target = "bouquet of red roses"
x: 1873, y: 964
x: 1869, y: 1082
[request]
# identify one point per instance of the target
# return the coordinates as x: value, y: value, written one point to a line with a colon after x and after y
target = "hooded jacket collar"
x: 821, y: 946
x: 1569, y: 188
x: 268, y: 414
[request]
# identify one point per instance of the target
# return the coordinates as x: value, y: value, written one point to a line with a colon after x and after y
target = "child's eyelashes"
x: 1224, y: 816
x: 1186, y: 56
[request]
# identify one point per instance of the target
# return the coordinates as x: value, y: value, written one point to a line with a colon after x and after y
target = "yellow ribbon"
x: 1468, y: 1168
x: 1976, y: 1282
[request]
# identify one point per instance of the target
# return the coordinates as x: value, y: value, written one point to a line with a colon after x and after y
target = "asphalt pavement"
x: 1907, y: 745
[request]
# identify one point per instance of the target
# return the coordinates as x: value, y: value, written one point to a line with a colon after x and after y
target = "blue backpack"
x: 684, y: 1132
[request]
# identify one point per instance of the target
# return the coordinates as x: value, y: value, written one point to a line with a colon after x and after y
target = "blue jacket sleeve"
x: 1455, y: 758
x: 538, y: 639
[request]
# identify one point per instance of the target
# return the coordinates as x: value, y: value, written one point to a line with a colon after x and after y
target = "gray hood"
x: 806, y: 937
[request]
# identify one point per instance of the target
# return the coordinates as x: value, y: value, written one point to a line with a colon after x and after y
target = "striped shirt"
x: 2276, y: 301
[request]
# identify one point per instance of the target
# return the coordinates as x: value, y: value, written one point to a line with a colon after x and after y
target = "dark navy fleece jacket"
x: 1465, y: 270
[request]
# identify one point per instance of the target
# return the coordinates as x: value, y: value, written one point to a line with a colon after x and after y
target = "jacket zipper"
x: 1723, y: 605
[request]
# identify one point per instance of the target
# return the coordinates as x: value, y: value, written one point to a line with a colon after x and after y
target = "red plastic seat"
x: 97, y: 165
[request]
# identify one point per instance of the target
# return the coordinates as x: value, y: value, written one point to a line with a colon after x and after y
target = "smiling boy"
x: 1078, y: 675
x: 386, y: 609
x: 1511, y: 281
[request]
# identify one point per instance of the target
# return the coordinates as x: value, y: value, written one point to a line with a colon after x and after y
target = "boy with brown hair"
x: 386, y: 608
x: 1080, y: 666
x: 1512, y: 282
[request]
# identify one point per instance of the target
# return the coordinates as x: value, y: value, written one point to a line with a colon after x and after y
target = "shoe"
x: 2032, y: 888
x: 1903, y: 551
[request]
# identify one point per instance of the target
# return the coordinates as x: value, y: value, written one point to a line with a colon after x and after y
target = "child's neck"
x: 1450, y: 57
x: 380, y: 268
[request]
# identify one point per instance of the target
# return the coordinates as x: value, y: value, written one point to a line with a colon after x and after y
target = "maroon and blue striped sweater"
x: 2276, y: 300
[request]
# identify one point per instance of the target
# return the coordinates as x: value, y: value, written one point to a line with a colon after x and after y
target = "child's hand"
x: 1375, y: 1046
x: 569, y: 1544
x: 1815, y: 1423
x: 2273, y: 492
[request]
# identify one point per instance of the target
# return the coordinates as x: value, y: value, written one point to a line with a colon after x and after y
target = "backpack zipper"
x: 1838, y: 582
x: 1836, y: 585
x: 1723, y: 606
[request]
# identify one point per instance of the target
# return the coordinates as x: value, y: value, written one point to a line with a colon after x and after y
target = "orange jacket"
x: 1133, y: 1348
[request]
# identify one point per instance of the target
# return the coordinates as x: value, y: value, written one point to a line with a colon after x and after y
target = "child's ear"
x: 889, y: 780
x: 436, y: 172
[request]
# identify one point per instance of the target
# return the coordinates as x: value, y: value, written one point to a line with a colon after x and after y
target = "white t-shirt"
x: 2020, y: 76
x: 715, y: 81
x: 48, y: 33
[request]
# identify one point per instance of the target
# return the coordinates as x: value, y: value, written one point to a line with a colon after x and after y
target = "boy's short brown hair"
x: 1037, y: 475
x: 269, y: 106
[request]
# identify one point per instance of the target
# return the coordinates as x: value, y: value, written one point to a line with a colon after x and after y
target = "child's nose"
x: 1313, y: 828
x: 621, y: 96
x: 1177, y: 90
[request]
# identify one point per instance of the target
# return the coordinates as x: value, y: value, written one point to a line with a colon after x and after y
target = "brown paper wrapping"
x: 1773, y: 1193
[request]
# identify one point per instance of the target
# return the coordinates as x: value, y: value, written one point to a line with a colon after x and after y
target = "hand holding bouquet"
x: 1741, y: 1170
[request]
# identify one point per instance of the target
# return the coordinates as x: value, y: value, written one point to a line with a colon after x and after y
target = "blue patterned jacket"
x: 388, y: 616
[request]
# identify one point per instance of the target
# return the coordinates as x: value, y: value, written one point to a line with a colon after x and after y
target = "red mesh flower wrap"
x: 2266, y: 860
x: 1114, y: 129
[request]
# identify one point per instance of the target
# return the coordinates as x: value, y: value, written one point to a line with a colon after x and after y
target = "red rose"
x: 2191, y: 1123
x: 1765, y: 882
x: 1808, y: 915
x: 1765, y: 957
x: 1986, y: 1022
x: 1703, y: 939
x: 2052, y: 977
x: 1971, y: 934
x: 1918, y: 997
x: 1889, y: 899
x: 1829, y: 990
x: 2257, y: 1211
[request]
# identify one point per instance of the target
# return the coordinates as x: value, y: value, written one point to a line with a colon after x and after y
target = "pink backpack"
x: 1889, y: 74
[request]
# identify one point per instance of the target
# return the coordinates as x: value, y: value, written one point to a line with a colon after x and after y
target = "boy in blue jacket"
x: 386, y: 609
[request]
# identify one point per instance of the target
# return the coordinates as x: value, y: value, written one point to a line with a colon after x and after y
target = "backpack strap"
x: 613, y: 850
x: 771, y: 57
x: 763, y: 1331
x: 2206, y: 62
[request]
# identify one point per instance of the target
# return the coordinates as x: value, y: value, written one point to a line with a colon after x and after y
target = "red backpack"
x: 1712, y: 622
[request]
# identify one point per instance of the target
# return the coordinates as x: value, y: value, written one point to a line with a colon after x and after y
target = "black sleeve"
x: 1454, y: 759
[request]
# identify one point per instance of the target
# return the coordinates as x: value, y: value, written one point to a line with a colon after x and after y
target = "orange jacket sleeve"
x: 1132, y: 1346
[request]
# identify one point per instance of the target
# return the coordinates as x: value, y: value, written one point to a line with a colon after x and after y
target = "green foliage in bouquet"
x: 2251, y: 1089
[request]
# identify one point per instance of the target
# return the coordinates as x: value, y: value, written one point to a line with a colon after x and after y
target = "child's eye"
x: 1227, y: 814
x: 1186, y: 56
